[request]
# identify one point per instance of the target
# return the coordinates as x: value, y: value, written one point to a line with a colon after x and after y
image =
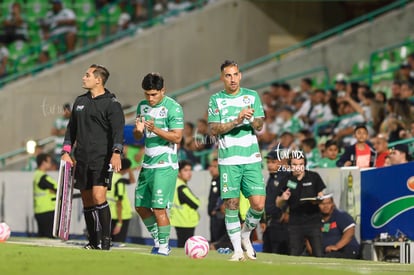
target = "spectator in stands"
x: 314, y: 109
x: 398, y: 118
x: 271, y: 128
x: 183, y: 213
x: 341, y: 86
x: 4, y: 59
x: 267, y: 100
x: 396, y: 89
x: 343, y: 132
x: 381, y: 97
x: 406, y: 90
x: 403, y: 74
x: 338, y: 232
x: 215, y: 205
x: 61, y: 25
x: 59, y: 130
x: 360, y: 154
x: 399, y: 154
x: 381, y: 146
x: 275, y: 237
x: 291, y: 123
x: 125, y: 19
x: 330, y: 158
x: 14, y: 26
x: 311, y: 151
x: 203, y: 138
x: 305, y: 87
x: 275, y: 92
x: 286, y: 94
x: 410, y: 60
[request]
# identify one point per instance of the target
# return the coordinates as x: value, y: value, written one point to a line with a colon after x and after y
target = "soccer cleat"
x: 164, y: 252
x: 237, y: 257
x: 106, y: 243
x: 90, y: 246
x: 247, y: 246
x: 154, y: 250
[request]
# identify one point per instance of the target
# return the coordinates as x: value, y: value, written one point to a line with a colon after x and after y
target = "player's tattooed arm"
x: 257, y: 123
x: 222, y: 128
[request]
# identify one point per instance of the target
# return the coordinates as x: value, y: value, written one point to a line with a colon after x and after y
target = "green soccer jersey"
x: 167, y: 115
x: 238, y: 146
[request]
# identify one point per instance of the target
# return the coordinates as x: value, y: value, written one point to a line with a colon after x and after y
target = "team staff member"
x: 119, y: 204
x: 184, y: 215
x: 275, y: 237
x: 44, y: 191
x: 96, y: 126
x: 234, y: 114
x: 160, y: 118
x: 304, y: 215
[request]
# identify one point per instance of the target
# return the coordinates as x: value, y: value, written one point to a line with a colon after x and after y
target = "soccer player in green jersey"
x: 234, y: 114
x: 160, y: 119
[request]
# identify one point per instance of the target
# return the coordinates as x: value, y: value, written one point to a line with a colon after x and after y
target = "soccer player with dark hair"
x: 160, y: 118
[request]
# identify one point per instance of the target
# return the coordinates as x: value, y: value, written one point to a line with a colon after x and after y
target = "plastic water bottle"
x: 224, y: 250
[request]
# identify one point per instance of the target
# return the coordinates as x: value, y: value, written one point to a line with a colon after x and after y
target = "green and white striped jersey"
x: 238, y: 146
x: 167, y: 115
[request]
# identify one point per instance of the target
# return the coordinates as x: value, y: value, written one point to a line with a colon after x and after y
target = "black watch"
x: 116, y: 151
x: 64, y: 152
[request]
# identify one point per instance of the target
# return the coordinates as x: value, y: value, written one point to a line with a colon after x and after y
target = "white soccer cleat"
x: 237, y: 257
x: 247, y: 246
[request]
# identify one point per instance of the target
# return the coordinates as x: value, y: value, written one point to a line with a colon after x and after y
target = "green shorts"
x: 155, y: 188
x: 247, y: 178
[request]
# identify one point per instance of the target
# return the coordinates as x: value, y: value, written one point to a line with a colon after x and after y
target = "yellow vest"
x: 44, y: 200
x: 182, y: 215
x: 112, y: 198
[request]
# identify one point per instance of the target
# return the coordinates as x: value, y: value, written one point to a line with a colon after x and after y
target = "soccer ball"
x: 196, y: 247
x: 4, y: 232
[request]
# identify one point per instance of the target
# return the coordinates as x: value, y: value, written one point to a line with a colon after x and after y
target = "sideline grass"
x: 37, y: 256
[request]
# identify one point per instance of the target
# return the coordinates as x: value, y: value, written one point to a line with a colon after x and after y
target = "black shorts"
x: 86, y: 176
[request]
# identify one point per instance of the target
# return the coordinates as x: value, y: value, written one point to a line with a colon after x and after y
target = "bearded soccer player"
x: 234, y: 114
x: 160, y: 119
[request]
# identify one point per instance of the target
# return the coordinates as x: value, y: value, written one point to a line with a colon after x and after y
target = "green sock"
x: 164, y: 235
x: 252, y: 220
x: 153, y: 229
x: 233, y: 228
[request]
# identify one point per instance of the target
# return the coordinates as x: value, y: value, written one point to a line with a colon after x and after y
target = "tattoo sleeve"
x: 222, y: 128
x: 257, y: 123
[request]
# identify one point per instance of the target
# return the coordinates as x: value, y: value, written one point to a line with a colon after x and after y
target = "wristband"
x: 119, y: 224
x: 64, y: 152
x: 116, y: 151
x: 67, y: 148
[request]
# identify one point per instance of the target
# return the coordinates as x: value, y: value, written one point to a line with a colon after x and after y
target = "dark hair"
x: 275, y: 84
x: 41, y: 158
x: 183, y: 163
x: 311, y: 142
x: 330, y: 143
x: 307, y: 80
x: 228, y: 63
x: 100, y: 71
x: 153, y: 81
x: 292, y: 155
x: 285, y: 86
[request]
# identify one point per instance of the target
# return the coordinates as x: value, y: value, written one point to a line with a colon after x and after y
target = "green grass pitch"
x: 41, y: 256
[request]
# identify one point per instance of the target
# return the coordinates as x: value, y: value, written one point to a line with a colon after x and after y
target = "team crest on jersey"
x: 225, y: 188
x: 163, y: 113
x: 246, y: 100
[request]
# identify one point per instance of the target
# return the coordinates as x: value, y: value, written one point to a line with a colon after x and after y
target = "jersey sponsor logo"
x: 80, y: 107
x: 178, y: 110
x: 146, y: 109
